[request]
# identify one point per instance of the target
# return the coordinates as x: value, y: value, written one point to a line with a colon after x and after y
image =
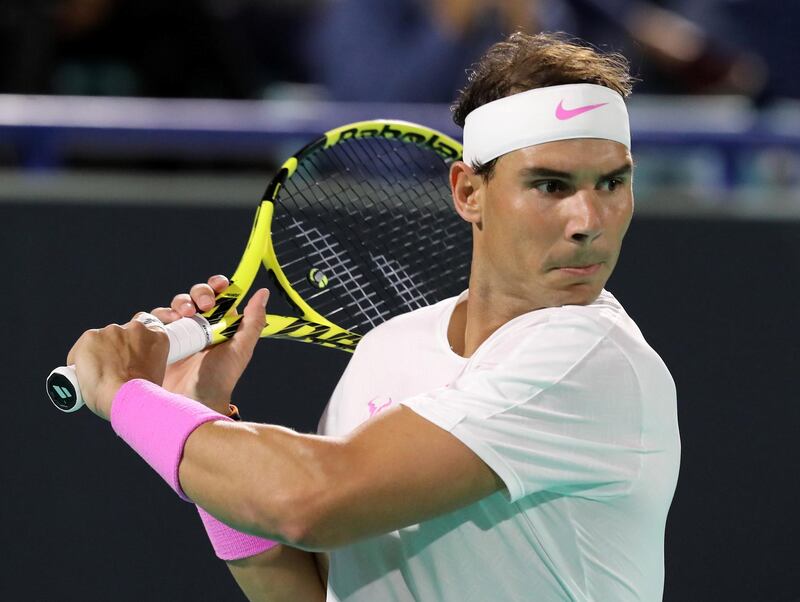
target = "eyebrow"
x: 546, y: 172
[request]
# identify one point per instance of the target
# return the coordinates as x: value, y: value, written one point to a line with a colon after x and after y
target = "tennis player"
x: 519, y: 442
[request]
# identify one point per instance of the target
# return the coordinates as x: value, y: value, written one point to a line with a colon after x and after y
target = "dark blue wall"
x: 83, y: 518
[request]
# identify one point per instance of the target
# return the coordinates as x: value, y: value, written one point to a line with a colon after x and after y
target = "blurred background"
x: 136, y: 137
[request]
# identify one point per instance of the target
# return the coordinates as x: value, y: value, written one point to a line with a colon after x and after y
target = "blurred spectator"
x: 415, y: 50
x: 274, y: 34
x: 672, y: 53
x: 378, y: 50
x: 180, y: 48
x: 766, y: 27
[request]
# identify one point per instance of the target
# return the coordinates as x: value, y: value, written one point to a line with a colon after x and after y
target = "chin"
x: 580, y: 294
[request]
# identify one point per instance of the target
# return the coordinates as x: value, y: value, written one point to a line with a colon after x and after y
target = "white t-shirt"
x: 572, y: 409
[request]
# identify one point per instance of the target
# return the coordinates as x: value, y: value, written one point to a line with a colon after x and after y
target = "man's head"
x: 527, y: 62
x: 547, y: 183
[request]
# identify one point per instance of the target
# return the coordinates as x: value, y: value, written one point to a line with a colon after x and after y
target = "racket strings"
x: 403, y: 284
x: 365, y: 230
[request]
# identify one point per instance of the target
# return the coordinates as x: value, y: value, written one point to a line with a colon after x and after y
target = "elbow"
x: 306, y: 511
x: 309, y: 521
x: 306, y: 533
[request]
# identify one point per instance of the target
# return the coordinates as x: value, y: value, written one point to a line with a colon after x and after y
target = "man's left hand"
x: 107, y: 358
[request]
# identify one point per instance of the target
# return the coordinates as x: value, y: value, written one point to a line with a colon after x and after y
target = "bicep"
x: 396, y: 470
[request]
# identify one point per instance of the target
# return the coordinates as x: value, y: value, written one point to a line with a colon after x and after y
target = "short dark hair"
x: 523, y: 62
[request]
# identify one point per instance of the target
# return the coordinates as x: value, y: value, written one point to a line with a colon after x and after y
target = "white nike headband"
x: 544, y: 115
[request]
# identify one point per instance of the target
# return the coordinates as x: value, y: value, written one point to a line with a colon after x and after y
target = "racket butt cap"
x: 63, y: 389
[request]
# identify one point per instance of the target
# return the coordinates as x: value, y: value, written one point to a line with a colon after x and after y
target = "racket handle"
x: 186, y: 337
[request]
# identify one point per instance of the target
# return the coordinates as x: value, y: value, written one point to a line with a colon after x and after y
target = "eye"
x: 549, y: 186
x: 611, y: 184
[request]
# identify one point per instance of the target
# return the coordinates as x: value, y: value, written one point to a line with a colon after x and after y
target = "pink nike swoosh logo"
x: 564, y: 114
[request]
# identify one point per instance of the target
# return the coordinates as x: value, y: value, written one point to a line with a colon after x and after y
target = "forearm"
x: 281, y: 574
x: 311, y: 492
x: 260, y: 479
x: 320, y: 493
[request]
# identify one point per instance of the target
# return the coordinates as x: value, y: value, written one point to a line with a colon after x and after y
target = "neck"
x: 487, y: 308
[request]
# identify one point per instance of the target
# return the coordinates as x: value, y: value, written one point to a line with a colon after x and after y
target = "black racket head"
x: 364, y: 227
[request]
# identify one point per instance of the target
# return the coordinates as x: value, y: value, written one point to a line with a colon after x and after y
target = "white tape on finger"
x: 150, y: 320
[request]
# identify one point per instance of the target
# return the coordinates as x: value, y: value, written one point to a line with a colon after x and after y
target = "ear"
x: 466, y: 185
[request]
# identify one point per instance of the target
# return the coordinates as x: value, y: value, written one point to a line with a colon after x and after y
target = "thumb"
x: 252, y: 322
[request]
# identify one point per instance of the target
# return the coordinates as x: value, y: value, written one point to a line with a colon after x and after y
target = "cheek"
x: 515, y: 223
x: 619, y: 216
x: 524, y: 234
x: 499, y: 214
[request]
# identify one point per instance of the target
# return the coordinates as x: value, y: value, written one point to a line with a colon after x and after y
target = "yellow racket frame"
x: 310, y: 326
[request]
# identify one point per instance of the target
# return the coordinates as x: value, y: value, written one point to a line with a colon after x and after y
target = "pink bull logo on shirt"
x: 374, y: 408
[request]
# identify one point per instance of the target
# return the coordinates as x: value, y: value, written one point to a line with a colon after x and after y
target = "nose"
x: 584, y: 222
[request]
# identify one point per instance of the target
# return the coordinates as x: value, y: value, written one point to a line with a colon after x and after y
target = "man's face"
x: 551, y: 220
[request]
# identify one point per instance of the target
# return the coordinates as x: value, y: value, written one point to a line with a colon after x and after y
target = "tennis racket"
x: 355, y: 228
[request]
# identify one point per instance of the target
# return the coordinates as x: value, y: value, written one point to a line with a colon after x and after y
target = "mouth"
x: 580, y: 270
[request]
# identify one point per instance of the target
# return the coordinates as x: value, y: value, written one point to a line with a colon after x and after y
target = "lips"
x: 586, y: 269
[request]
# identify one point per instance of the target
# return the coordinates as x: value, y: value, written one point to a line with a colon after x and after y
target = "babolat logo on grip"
x: 61, y: 391
x: 434, y: 141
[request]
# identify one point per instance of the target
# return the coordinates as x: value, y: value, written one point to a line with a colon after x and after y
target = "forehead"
x: 587, y: 155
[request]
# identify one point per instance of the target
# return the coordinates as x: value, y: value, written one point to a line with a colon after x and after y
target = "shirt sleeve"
x: 554, y: 406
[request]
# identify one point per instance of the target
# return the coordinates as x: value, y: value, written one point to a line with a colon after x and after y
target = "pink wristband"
x: 230, y: 544
x: 156, y: 424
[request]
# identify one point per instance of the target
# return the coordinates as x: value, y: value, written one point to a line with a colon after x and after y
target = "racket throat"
x: 299, y: 329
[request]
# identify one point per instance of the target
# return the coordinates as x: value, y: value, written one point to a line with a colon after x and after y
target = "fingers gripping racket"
x: 355, y: 228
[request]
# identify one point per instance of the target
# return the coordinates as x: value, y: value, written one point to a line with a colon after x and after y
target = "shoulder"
x: 594, y: 346
x: 599, y: 317
x: 575, y: 327
x: 598, y: 346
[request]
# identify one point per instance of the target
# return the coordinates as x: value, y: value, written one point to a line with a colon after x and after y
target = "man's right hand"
x: 210, y: 376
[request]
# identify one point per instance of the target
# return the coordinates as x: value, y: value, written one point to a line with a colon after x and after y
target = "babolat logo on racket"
x: 434, y: 142
x: 312, y: 332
